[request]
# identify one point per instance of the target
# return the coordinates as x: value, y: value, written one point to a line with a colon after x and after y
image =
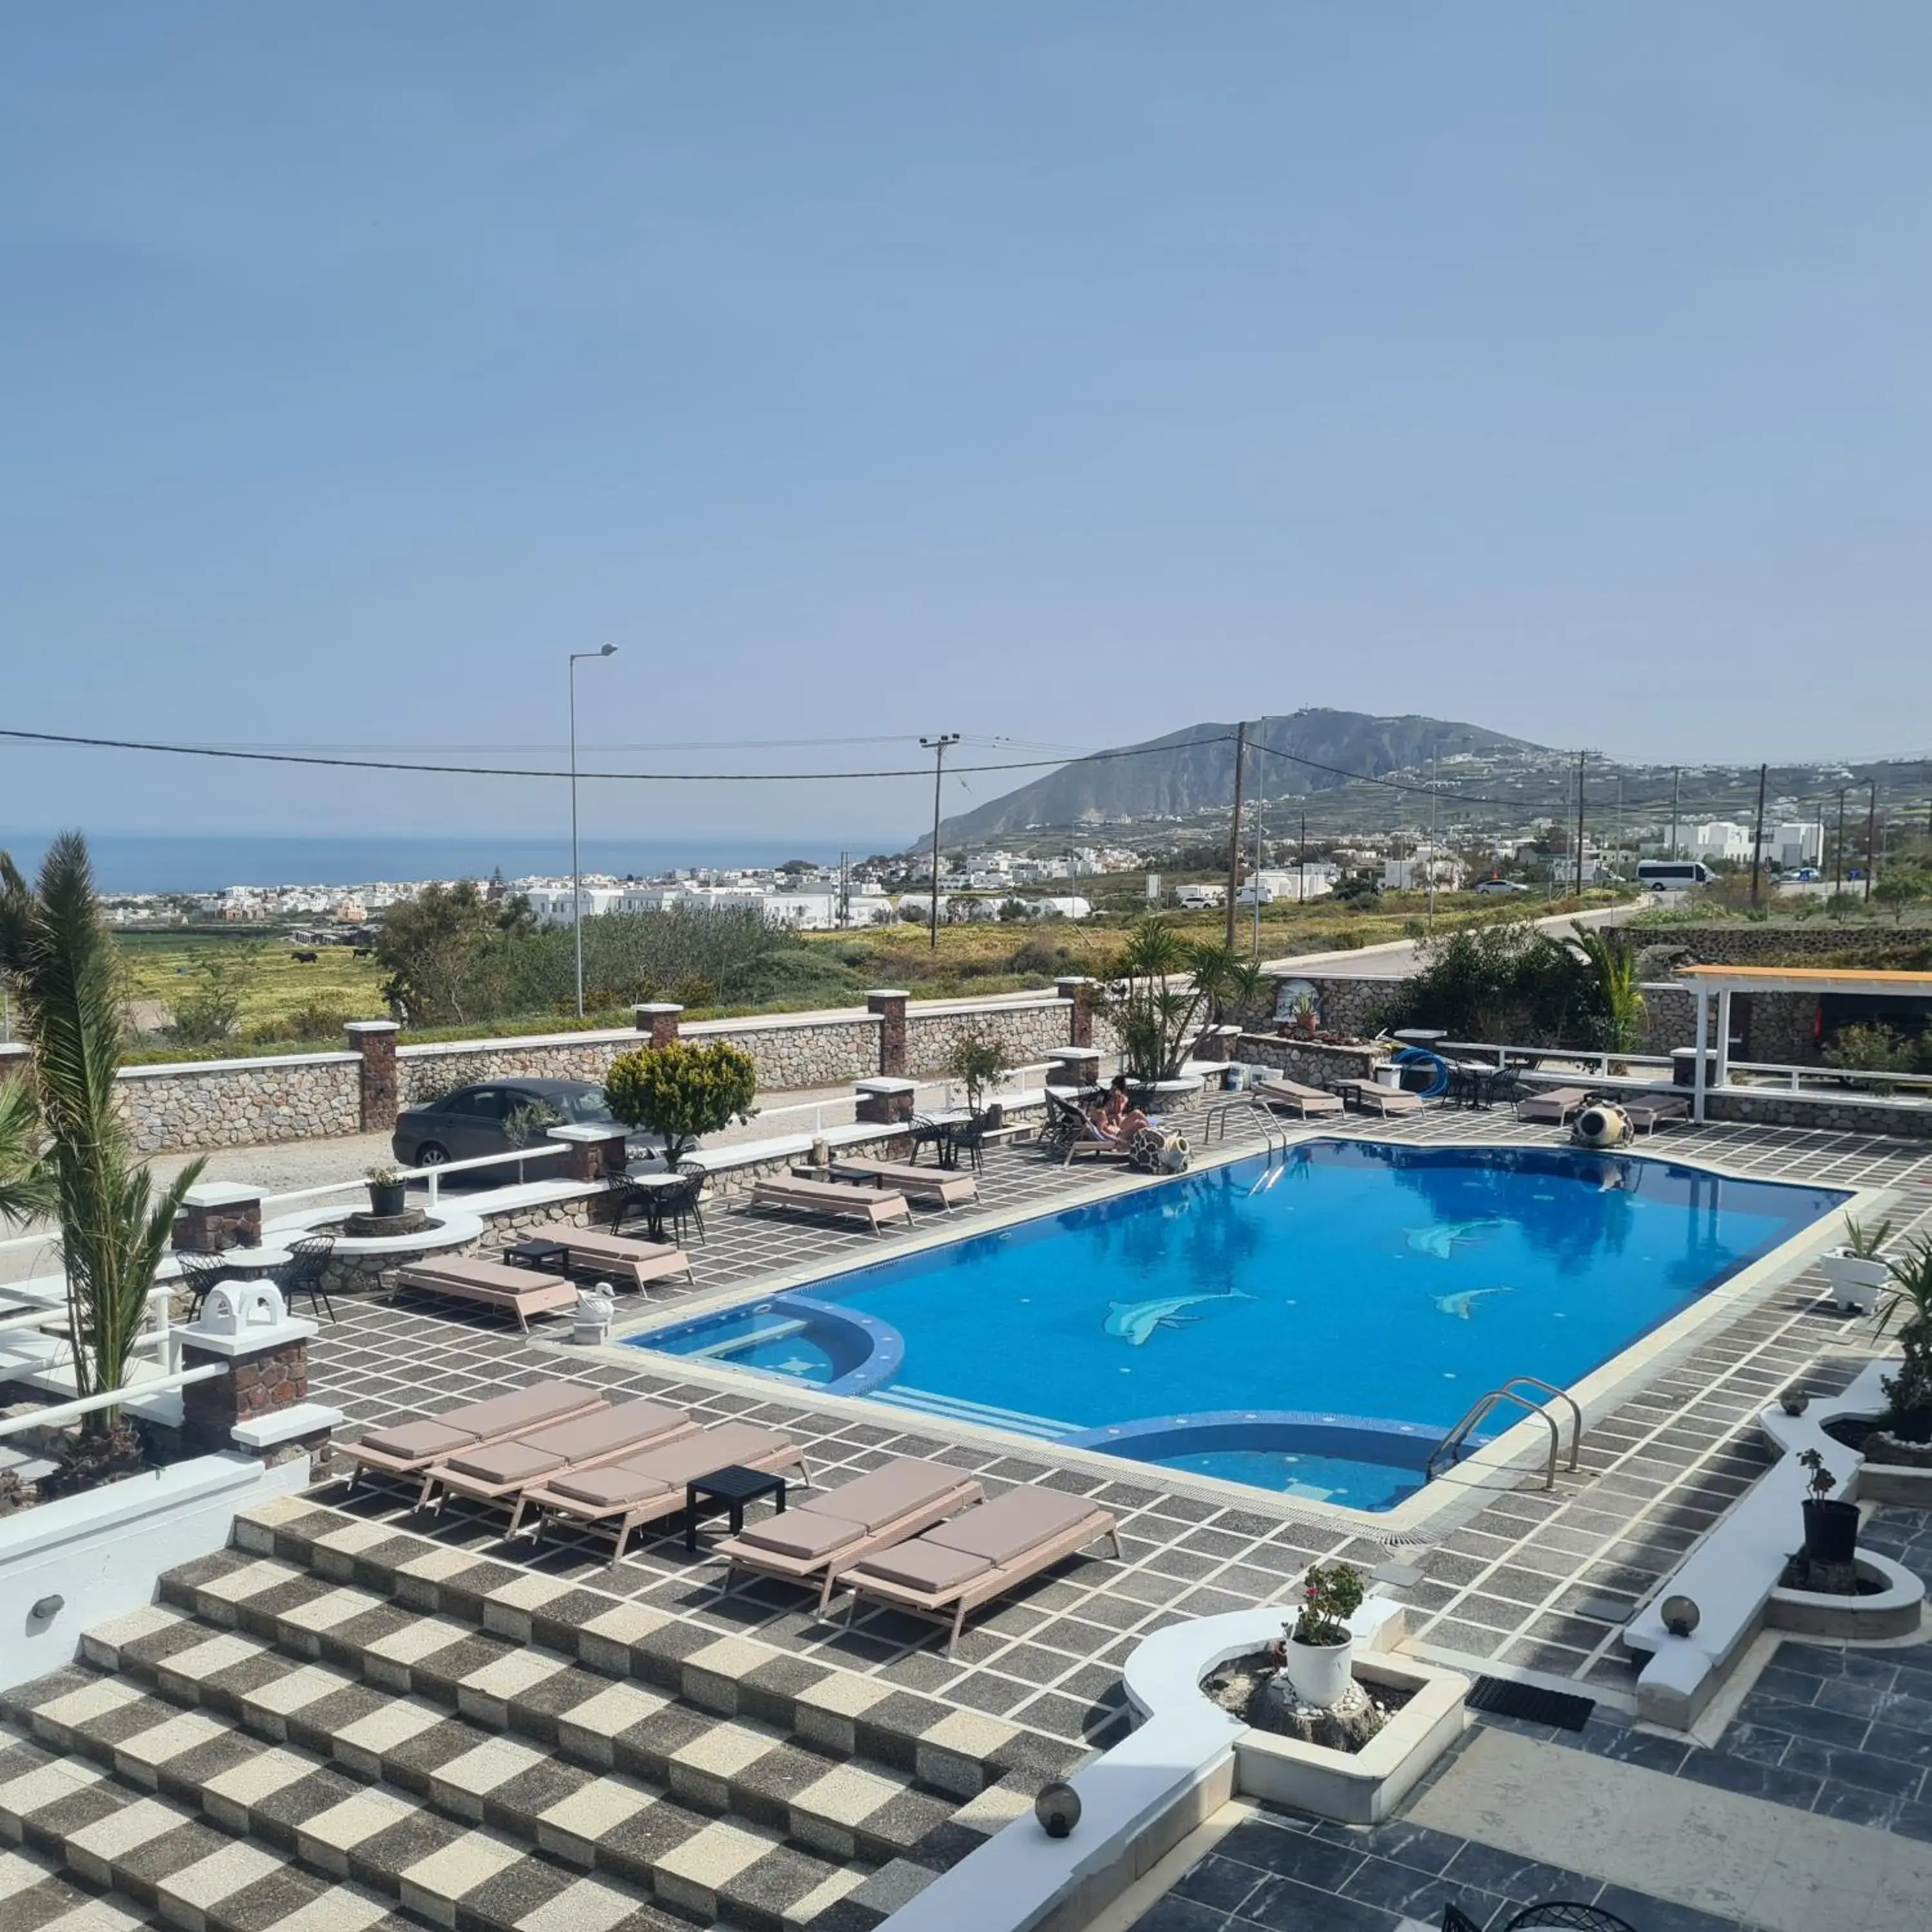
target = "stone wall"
x: 1853, y: 1114
x: 1311, y: 1062
x: 240, y: 1102
x: 425, y: 1073
x: 1750, y: 944
x: 791, y: 1054
x: 1027, y: 1033
x: 1780, y: 1029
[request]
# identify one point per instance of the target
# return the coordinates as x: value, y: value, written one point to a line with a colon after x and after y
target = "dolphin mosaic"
x: 1134, y: 1322
x: 1442, y: 1238
x: 1459, y: 1304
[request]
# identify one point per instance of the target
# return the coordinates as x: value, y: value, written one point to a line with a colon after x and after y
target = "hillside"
x: 1193, y: 770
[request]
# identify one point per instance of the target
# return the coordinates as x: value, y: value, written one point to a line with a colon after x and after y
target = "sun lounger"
x: 495, y: 1470
x: 1303, y: 1102
x: 947, y: 1186
x: 1555, y: 1105
x: 621, y: 1496
x: 632, y: 1262
x: 980, y: 1554
x: 874, y: 1206
x: 826, y: 1534
x: 1647, y: 1111
x: 410, y: 1447
x: 1370, y: 1098
x: 518, y: 1291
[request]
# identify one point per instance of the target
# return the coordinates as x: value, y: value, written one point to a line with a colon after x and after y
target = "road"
x: 1399, y: 958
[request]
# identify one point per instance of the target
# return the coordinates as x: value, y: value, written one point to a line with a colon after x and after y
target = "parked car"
x: 471, y: 1121
x: 1500, y: 886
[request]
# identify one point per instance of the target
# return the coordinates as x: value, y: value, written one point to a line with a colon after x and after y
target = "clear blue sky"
x: 1074, y: 372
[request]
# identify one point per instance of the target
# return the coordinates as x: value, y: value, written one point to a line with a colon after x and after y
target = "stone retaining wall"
x: 1750, y: 944
x: 1313, y: 1062
x: 1764, y: 1106
x: 793, y: 1053
x: 1026, y: 1034
x: 1780, y: 1029
x: 240, y: 1102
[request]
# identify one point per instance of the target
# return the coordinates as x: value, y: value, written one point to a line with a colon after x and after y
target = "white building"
x: 1789, y: 846
x: 1720, y: 838
x: 1275, y: 886
x: 1421, y: 870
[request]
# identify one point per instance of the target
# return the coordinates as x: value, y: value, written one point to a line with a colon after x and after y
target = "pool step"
x: 955, y: 1409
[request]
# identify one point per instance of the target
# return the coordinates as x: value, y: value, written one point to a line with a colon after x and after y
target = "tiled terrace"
x: 1533, y: 1583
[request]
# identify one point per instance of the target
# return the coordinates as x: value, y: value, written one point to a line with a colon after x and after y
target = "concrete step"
x: 157, y: 1862
x: 959, y: 1752
x: 36, y: 1896
x: 436, y: 1808
x: 632, y: 1743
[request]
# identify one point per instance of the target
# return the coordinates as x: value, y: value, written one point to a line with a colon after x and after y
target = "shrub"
x: 1871, y: 1047
x: 682, y: 1091
x: 977, y: 1060
x: 209, y: 1010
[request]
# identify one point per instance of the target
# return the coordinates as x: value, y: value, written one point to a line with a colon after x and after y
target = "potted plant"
x: 1854, y: 1269
x: 1831, y: 1529
x: 1320, y: 1644
x: 976, y: 1061
x: 389, y: 1191
x: 1909, y: 1303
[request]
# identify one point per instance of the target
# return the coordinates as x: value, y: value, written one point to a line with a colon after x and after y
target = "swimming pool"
x: 1312, y: 1324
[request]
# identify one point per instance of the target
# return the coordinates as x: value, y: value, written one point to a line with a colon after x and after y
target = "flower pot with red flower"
x: 1320, y: 1645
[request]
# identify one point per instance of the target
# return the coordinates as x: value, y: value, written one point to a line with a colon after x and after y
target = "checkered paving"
x: 330, y: 1710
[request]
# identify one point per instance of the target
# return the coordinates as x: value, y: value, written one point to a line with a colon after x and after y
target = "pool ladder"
x: 1512, y: 1391
x: 1274, y: 1135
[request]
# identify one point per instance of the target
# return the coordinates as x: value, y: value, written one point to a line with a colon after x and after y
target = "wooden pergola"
x: 1723, y: 981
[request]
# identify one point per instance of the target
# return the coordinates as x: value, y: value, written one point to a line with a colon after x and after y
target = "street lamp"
x: 576, y: 870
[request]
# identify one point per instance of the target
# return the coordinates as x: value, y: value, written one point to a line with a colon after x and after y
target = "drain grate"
x: 1530, y: 1703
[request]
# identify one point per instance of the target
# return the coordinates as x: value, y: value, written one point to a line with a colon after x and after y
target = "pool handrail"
x: 1510, y: 1392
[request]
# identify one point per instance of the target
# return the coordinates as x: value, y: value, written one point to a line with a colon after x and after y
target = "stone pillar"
x: 375, y: 1040
x: 1073, y: 1067
x: 658, y: 1017
x: 218, y: 1215
x: 261, y: 1405
x: 891, y: 1008
x: 885, y: 1101
x: 593, y: 1154
x: 1080, y: 1021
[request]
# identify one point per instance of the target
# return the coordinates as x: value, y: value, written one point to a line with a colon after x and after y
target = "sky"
x: 1066, y: 374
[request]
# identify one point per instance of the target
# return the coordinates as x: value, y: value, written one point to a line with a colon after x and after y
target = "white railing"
x: 57, y: 1413
x: 516, y: 1157
x: 945, y: 1089
x: 1762, y: 1075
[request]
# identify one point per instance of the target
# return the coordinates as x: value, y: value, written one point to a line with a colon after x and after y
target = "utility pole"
x: 845, y: 890
x: 576, y: 865
x: 1434, y: 772
x: 1757, y: 841
x: 1676, y: 793
x: 1234, y: 831
x: 936, y: 746
x: 1838, y: 857
x: 1254, y: 876
x: 1871, y: 837
x: 1301, y: 851
x: 1580, y: 757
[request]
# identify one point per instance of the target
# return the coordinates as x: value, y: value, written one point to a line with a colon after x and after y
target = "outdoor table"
x: 731, y: 1488
x: 946, y: 1120
x: 251, y: 1263
x: 544, y: 1257
x: 650, y: 1187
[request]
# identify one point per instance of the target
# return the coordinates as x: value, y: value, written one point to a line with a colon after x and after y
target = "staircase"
x: 334, y: 1727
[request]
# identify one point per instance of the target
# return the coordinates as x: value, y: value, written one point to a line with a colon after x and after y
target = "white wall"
x: 103, y: 1552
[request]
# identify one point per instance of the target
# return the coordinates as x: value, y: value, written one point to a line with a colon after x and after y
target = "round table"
x: 251, y: 1263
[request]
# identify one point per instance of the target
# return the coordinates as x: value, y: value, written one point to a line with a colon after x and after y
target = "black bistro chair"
x: 676, y: 1205
x: 198, y: 1273
x: 304, y: 1273
x: 922, y: 1130
x: 969, y: 1138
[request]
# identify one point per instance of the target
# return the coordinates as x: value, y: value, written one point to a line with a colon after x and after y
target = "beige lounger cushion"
x: 929, y: 1568
x: 803, y: 1534
x: 670, y: 1467
x: 472, y: 1422
x: 470, y: 1272
x: 823, y: 1523
x: 589, y: 1241
x: 998, y: 1532
x: 1010, y: 1525
x: 597, y: 1434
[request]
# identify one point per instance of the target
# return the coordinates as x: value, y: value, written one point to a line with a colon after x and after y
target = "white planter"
x: 1387, y: 1074
x: 1854, y: 1282
x: 1321, y: 1673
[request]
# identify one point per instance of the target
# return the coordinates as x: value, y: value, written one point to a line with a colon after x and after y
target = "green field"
x: 272, y: 989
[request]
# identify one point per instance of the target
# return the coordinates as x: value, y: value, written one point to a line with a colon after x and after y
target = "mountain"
x: 1193, y: 770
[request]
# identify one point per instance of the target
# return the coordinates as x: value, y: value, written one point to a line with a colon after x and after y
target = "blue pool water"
x: 1334, y: 1313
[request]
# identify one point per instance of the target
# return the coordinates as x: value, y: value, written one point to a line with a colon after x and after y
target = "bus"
x: 1672, y: 875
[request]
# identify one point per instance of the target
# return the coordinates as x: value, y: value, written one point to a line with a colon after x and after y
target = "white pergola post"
x: 1723, y: 1077
x: 1697, y: 1068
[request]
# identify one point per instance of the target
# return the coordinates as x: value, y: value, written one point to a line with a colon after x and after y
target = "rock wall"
x: 1777, y: 1028
x: 802, y: 1053
x: 1313, y: 1062
x: 1750, y: 944
x: 1027, y: 1033
x: 240, y: 1103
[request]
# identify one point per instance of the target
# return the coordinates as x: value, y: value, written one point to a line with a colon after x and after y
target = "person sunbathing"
x: 1117, y: 1120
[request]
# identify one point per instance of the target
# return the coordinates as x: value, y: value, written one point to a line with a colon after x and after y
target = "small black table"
x: 543, y: 1257
x: 732, y: 1488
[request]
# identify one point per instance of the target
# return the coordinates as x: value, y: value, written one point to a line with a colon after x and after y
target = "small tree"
x: 1909, y: 1303
x: 976, y: 1061
x: 114, y: 1226
x: 1898, y: 890
x: 682, y: 1091
x: 211, y: 1009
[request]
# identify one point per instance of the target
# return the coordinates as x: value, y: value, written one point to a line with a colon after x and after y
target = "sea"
x: 189, y: 862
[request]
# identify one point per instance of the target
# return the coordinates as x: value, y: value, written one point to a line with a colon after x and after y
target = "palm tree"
x: 1619, y: 995
x: 24, y: 1189
x: 1159, y: 986
x: 115, y: 1229
x: 1909, y: 1304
